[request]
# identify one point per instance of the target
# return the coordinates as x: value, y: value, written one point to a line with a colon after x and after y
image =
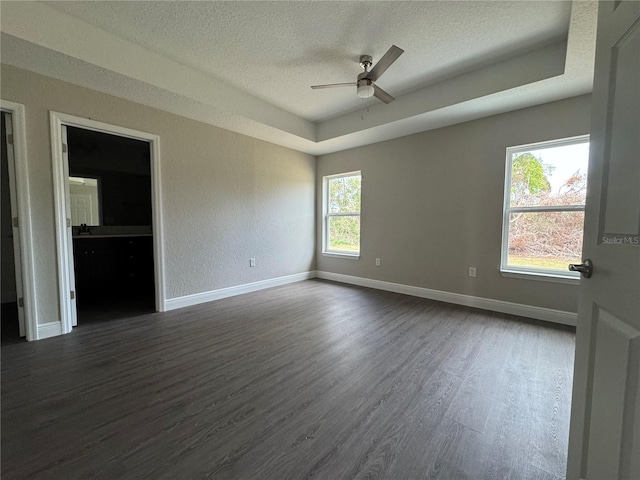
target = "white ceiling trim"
x: 545, y: 74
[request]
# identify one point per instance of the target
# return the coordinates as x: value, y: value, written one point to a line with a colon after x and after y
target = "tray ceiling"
x: 248, y: 66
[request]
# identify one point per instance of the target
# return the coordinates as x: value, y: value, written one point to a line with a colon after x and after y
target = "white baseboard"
x: 51, y: 329
x: 197, y: 298
x: 539, y: 313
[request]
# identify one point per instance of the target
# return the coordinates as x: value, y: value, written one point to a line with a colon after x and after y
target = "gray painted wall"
x: 432, y: 204
x: 226, y: 197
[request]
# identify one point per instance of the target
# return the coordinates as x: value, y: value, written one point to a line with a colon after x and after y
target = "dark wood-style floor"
x: 313, y: 379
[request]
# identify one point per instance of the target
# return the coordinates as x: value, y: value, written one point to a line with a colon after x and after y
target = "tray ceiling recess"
x: 247, y: 66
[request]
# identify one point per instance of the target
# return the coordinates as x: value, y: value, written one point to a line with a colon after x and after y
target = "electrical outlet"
x: 472, y: 271
x: 377, y: 262
x: 252, y: 262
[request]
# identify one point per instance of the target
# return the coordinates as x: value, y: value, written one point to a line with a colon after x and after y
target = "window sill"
x: 350, y: 256
x: 541, y: 277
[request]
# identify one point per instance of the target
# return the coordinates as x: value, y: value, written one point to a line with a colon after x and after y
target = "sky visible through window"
x: 565, y: 160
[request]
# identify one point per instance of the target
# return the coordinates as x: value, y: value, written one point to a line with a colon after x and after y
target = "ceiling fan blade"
x: 385, y: 62
x: 332, y: 85
x: 381, y: 95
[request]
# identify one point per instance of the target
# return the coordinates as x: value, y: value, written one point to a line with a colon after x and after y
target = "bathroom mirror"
x: 84, y: 199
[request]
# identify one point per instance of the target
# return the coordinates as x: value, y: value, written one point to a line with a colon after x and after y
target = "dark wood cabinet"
x: 113, y: 265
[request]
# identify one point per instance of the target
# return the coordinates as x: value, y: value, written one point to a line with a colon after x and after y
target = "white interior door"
x: 81, y: 209
x: 14, y: 215
x: 605, y: 420
x: 72, y: 277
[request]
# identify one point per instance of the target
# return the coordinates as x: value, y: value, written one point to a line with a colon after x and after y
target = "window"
x: 342, y: 214
x: 545, y: 191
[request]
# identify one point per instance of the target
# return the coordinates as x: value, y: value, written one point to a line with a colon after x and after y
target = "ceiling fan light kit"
x: 365, y: 84
x: 365, y: 88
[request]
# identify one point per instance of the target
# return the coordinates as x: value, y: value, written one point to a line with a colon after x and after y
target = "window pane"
x: 545, y: 239
x: 344, y: 195
x: 550, y: 176
x: 344, y: 234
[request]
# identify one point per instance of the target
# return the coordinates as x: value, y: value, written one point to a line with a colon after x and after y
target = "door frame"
x: 64, y: 257
x: 23, y: 201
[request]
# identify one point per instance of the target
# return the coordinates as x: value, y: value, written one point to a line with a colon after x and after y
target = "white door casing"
x: 604, y: 438
x: 73, y: 310
x: 24, y: 230
x: 58, y: 123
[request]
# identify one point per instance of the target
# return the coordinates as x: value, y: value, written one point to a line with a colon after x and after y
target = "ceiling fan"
x: 365, y: 84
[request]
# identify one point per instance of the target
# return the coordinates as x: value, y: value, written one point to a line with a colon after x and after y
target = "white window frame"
x: 532, y: 272
x: 326, y: 216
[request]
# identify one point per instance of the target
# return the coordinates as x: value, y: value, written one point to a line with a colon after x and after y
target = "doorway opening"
x: 12, y: 316
x: 106, y: 183
x: 111, y: 220
x: 19, y: 291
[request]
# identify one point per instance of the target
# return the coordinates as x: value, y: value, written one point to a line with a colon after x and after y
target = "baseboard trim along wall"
x: 197, y: 298
x: 539, y: 313
x: 50, y: 329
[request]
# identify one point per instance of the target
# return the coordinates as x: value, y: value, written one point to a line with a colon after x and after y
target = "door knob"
x: 585, y: 268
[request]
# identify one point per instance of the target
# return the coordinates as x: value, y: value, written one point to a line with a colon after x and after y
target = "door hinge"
x: 73, y: 295
x: 10, y: 139
x: 15, y: 222
x: 64, y: 148
x: 68, y: 222
x: 21, y: 302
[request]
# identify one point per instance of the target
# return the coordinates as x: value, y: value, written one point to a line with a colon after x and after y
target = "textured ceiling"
x: 253, y: 62
x: 276, y: 50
